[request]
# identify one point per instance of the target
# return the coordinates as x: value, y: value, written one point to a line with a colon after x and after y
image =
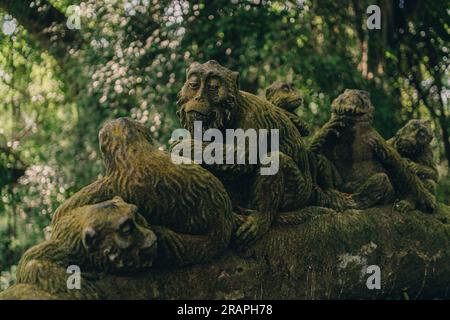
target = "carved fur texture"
x: 324, y: 175
x: 373, y: 172
x: 211, y: 94
x: 187, y: 207
x: 285, y: 96
x: 413, y: 143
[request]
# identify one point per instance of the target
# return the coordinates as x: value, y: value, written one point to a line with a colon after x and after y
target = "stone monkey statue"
x: 412, y: 142
x: 285, y: 96
x: 108, y: 237
x: 373, y: 172
x: 187, y: 207
x: 324, y: 174
x: 211, y: 95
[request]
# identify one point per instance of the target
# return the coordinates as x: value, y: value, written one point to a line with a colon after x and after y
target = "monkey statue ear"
x: 235, y: 77
x: 88, y: 237
x: 117, y: 199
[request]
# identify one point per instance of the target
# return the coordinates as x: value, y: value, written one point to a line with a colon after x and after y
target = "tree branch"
x: 45, y: 23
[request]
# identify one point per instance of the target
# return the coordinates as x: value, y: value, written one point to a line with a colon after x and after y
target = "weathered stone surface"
x: 371, y: 170
x: 325, y: 258
x: 211, y: 94
x: 187, y: 207
x: 303, y: 252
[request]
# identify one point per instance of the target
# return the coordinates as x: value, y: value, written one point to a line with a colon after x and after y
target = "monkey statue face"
x: 114, y: 237
x: 208, y: 95
x: 413, y: 137
x: 353, y: 103
x: 284, y: 95
x: 122, y: 131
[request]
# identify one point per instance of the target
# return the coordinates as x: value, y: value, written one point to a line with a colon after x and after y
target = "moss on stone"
x: 324, y: 258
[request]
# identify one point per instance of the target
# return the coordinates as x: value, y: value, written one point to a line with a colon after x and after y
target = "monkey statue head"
x: 413, y: 138
x: 284, y: 95
x: 354, y: 104
x: 210, y: 94
x: 117, y: 136
x: 123, y: 131
x: 109, y: 236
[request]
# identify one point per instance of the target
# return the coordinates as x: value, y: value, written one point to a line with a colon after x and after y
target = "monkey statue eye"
x: 126, y: 228
x: 194, y: 83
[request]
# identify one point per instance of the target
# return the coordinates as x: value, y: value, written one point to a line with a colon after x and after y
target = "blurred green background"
x: 128, y: 58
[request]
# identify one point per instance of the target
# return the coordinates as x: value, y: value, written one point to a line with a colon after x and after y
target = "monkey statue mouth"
x: 195, y: 115
x: 295, y: 101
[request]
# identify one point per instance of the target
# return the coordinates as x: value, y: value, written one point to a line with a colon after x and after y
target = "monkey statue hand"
x: 331, y: 129
x: 254, y: 226
x: 169, y: 242
x: 403, y: 206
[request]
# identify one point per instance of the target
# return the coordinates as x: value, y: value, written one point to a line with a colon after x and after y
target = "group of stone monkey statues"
x: 149, y: 212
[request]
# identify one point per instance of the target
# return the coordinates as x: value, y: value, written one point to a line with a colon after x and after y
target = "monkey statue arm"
x: 45, y: 266
x: 253, y: 226
x: 402, y: 175
x: 180, y: 249
x: 301, y: 125
x: 97, y: 191
x: 268, y: 192
x: 35, y: 270
x: 423, y: 171
x: 329, y: 131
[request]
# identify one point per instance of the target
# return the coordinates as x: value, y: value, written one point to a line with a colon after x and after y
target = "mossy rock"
x: 325, y: 258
